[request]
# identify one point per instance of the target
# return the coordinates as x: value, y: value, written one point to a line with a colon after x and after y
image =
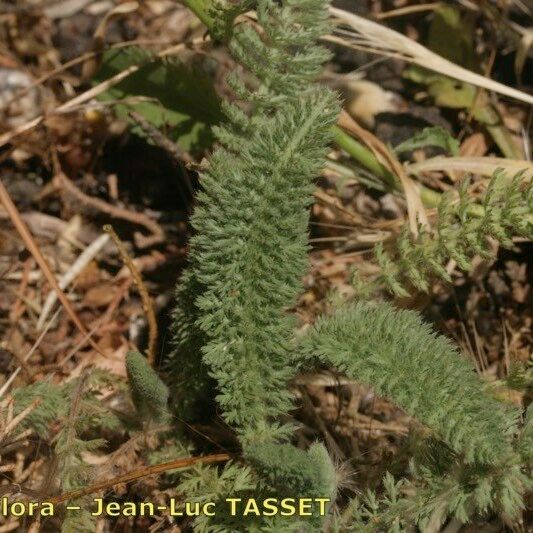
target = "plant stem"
x: 138, y: 474
x: 201, y: 9
x: 365, y: 157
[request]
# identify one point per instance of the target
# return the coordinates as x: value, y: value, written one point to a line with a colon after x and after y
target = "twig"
x: 172, y: 149
x: 90, y: 67
x: 336, y: 204
x: 85, y: 339
x: 112, y: 307
x: 70, y: 426
x: 81, y: 262
x: 115, y: 212
x: 27, y: 237
x: 18, y: 310
x: 137, y: 474
x: 34, y: 306
x: 19, y: 418
x: 36, y: 344
x: 98, y: 323
x: 105, y: 318
x: 161, y: 140
x: 141, y: 287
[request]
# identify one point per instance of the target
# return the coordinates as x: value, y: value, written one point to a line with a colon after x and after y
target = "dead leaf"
x: 99, y: 296
x: 474, y: 145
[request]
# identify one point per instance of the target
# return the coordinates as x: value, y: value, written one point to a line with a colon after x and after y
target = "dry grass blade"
x: 373, y: 37
x: 27, y: 237
x: 36, y: 344
x: 157, y: 234
x: 415, y: 207
x: 407, y: 10
x: 486, y: 166
x: 140, y: 473
x: 14, y: 422
x: 82, y: 342
x: 91, y: 93
x: 336, y: 204
x: 98, y: 44
x: 76, y: 61
x: 143, y: 291
x: 81, y: 262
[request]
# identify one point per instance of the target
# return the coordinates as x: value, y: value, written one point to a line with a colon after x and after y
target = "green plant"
x: 290, y: 470
x: 232, y: 331
x: 149, y: 393
x: 475, y: 435
x: 461, y: 233
x: 75, y: 472
x: 248, y: 257
x: 236, y: 346
x: 77, y: 411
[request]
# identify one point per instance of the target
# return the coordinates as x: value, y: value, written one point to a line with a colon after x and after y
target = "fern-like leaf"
x: 404, y: 360
x: 463, y: 231
x: 249, y: 254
